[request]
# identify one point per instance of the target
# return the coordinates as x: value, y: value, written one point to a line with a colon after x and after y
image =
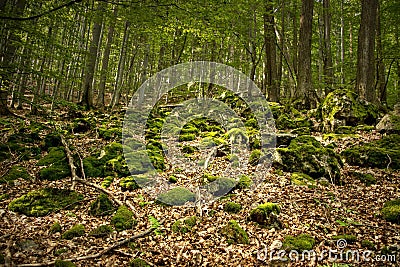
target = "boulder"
x: 390, y: 123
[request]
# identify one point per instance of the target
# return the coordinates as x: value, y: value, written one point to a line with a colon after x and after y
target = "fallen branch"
x: 96, y: 255
x: 70, y: 161
x: 101, y: 189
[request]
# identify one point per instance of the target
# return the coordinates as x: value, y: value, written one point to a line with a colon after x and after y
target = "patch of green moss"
x: 291, y: 121
x: 2, y: 260
x: 75, y: 231
x: 176, y: 196
x: 237, y: 136
x: 265, y: 215
x: 234, y: 233
x: 4, y: 197
x: 349, y: 238
x: 221, y: 186
x: 102, y: 230
x: 60, y: 251
x: 299, y: 243
x: 299, y: 178
x: 55, y: 228
x: 52, y: 139
x: 123, y: 219
x: 391, y: 211
x: 173, y: 179
x: 107, y: 181
x: 255, y: 156
x: 189, y: 149
x: 57, y: 165
x: 137, y: 262
x: 345, y: 130
x: 135, y: 181
x: 244, y: 182
x: 44, y: 201
x: 210, y: 177
x: 186, y: 137
x: 381, y: 153
x: 185, y: 225
x: 366, y: 178
x: 102, y: 205
x: 61, y: 263
x: 110, y: 133
x: 368, y: 244
x: 15, y: 173
x: 232, y: 207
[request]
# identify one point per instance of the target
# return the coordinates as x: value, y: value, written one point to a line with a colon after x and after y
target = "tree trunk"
x: 305, y: 88
x: 380, y: 79
x: 365, y: 79
x: 327, y: 52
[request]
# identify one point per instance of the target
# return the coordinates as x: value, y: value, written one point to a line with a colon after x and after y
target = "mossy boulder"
x: 298, y: 243
x: 391, y: 211
x: 221, y: 186
x: 176, y: 196
x: 61, y: 263
x: 299, y: 178
x: 52, y: 139
x: 368, y: 244
x: 366, y: 178
x: 237, y: 136
x: 138, y: 262
x: 266, y: 215
x: 44, y: 201
x: 123, y: 219
x: 232, y: 207
x: 75, y: 231
x: 109, y: 133
x: 16, y: 172
x: 292, y: 121
x: 185, y: 225
x: 102, y: 205
x: 187, y: 149
x: 383, y: 153
x: 186, y: 137
x: 55, y: 228
x: 56, y: 165
x: 390, y: 123
x: 307, y: 155
x: 135, y: 181
x: 244, y: 182
x: 234, y: 233
x: 345, y: 108
x: 102, y: 230
x: 255, y: 156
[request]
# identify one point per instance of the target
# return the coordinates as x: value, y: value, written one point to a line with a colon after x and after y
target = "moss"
x: 45, y: 201
x: 176, y: 196
x: 292, y: 121
x: 4, y: 197
x: 110, y: 133
x: 232, y: 207
x: 75, y: 231
x: 244, y: 182
x: 186, y: 137
x: 301, y: 131
x: 366, y: 178
x: 306, y: 155
x: 52, y: 139
x: 135, y: 181
x: 391, y: 211
x: 368, y: 244
x: 102, y: 205
x: 221, y: 186
x: 189, y: 149
x: 138, y: 263
x: 107, y: 181
x: 2, y: 260
x: 234, y: 233
x: 15, y: 173
x: 210, y: 177
x: 185, y: 225
x: 173, y: 179
x: 265, y: 215
x: 349, y: 238
x: 57, y: 165
x: 345, y: 130
x: 381, y: 153
x: 102, y: 230
x: 237, y: 136
x: 298, y: 178
x: 55, y: 228
x: 255, y: 156
x: 123, y: 219
x: 299, y: 243
x: 61, y: 263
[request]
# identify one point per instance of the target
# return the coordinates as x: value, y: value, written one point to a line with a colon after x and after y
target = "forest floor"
x: 323, y: 211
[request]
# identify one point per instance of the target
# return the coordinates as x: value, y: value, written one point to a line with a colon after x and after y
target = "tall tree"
x: 305, y: 90
x: 327, y: 52
x: 365, y: 80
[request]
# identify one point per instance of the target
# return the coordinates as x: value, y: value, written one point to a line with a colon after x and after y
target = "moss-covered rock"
x: 232, y: 207
x: 345, y: 108
x: 52, y: 139
x: 299, y: 178
x: 123, y: 219
x: 381, y: 153
x: 109, y: 133
x: 44, y: 201
x: 185, y: 225
x: 135, y: 181
x: 265, y: 215
x: 189, y: 149
x: 186, y: 137
x: 75, y: 231
x: 16, y: 172
x: 234, y: 233
x: 55, y: 228
x: 57, y: 165
x: 366, y: 178
x: 391, y: 211
x: 102, y: 205
x: 176, y: 196
x: 255, y: 156
x: 102, y: 230
x: 299, y: 243
x: 292, y: 121
x: 244, y: 182
x: 237, y: 136
x: 221, y: 186
x: 349, y: 238
x: 390, y: 123
x: 107, y: 181
x: 306, y: 155
x: 61, y: 263
x: 137, y: 262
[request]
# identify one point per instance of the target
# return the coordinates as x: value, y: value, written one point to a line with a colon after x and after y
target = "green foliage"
x: 383, y: 153
x: 391, y: 211
x: 15, y: 173
x: 221, y: 186
x: 44, y: 201
x: 137, y: 262
x: 102, y: 205
x: 349, y: 238
x: 232, y: 207
x: 176, y: 196
x: 123, y: 219
x: 265, y: 215
x: 102, y: 230
x: 234, y: 233
x: 57, y: 165
x: 61, y: 263
x: 75, y: 231
x: 244, y: 182
x: 299, y: 243
x: 55, y: 228
x: 60, y: 251
x: 2, y: 260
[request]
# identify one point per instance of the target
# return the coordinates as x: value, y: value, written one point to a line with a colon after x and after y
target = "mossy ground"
x: 75, y: 231
x: 44, y: 201
x: 234, y: 233
x: 102, y: 205
x: 16, y: 172
x: 298, y: 243
x: 265, y: 215
x: 391, y: 211
x: 176, y: 196
x: 102, y: 230
x: 123, y: 219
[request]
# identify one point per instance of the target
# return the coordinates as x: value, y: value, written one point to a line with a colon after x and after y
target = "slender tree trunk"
x: 305, y: 90
x: 380, y: 79
x: 327, y: 51
x: 342, y: 75
x: 365, y: 80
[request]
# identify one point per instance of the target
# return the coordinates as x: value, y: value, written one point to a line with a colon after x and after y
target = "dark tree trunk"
x: 327, y: 53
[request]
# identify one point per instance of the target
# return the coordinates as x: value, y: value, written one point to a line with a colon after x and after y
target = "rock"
x: 123, y: 219
x: 176, y: 196
x: 56, y: 165
x: 102, y: 205
x: 390, y: 123
x: 344, y: 108
x: 75, y: 231
x: 391, y: 211
x: 265, y: 215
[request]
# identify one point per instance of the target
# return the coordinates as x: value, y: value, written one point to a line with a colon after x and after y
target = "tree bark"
x: 327, y: 51
x: 365, y: 79
x: 380, y: 79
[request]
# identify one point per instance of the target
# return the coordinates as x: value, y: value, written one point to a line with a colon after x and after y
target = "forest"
x: 200, y: 133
